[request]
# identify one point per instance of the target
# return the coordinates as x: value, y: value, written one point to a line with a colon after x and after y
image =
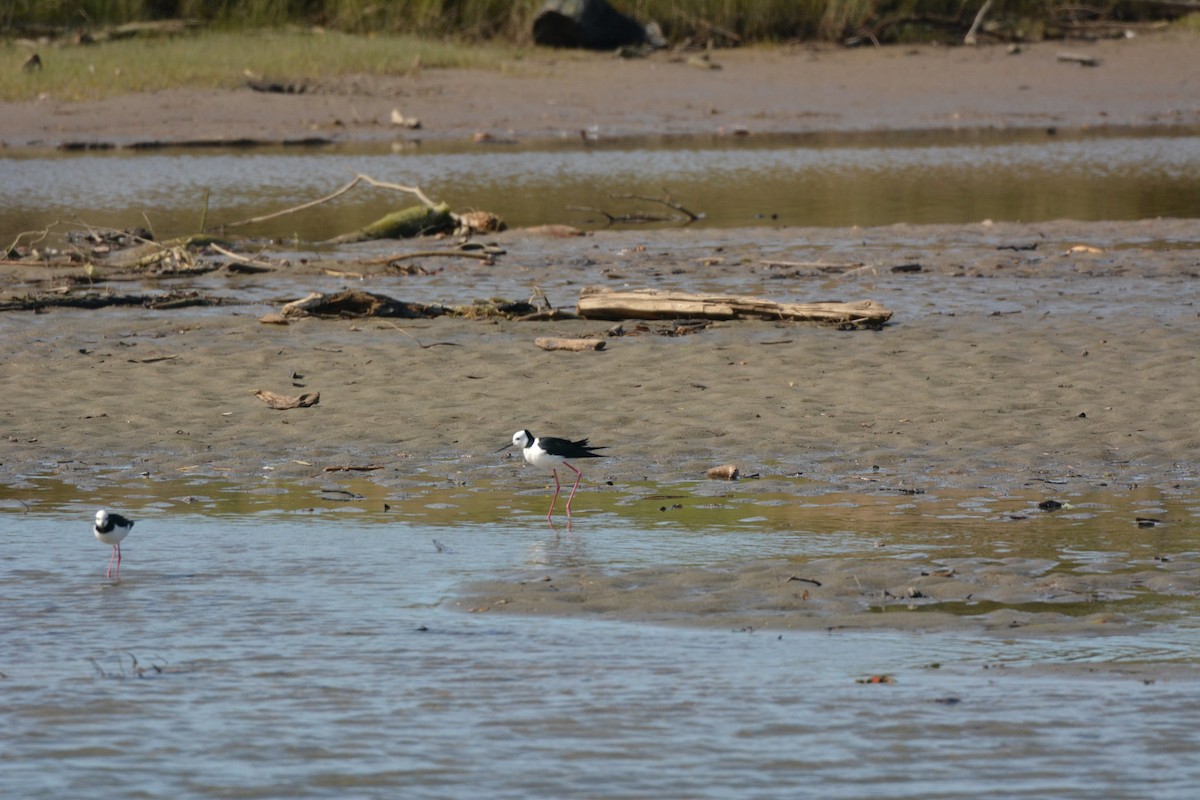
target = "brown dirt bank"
x: 1148, y: 80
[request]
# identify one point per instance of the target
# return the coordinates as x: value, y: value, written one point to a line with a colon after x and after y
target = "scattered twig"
x: 639, y: 216
x: 484, y: 257
x: 418, y: 341
x: 1075, y: 58
x: 42, y: 234
x: 665, y: 200
x: 970, y: 38
x: 248, y: 260
x: 824, y: 266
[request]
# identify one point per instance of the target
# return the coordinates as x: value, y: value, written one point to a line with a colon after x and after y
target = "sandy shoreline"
x: 1001, y: 367
x: 998, y: 366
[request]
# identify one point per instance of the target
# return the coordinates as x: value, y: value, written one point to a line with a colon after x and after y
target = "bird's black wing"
x: 582, y: 444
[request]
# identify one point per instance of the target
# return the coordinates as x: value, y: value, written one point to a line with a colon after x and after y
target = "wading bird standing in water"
x: 111, y: 529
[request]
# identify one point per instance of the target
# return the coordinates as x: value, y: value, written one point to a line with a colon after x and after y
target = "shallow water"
x: 283, y: 643
x: 845, y: 180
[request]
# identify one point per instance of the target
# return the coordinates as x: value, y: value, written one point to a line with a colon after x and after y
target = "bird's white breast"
x: 540, y: 458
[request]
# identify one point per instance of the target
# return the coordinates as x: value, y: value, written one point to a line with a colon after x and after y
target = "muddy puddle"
x: 820, y: 181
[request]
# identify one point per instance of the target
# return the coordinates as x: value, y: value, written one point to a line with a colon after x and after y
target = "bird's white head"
x: 101, y: 518
x: 521, y: 439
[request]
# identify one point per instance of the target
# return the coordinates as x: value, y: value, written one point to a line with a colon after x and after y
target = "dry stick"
x: 824, y: 265
x: 254, y: 262
x: 204, y: 211
x: 590, y: 209
x: 637, y: 216
x: 359, y: 178
x: 149, y: 227
x: 42, y: 234
x: 418, y: 341
x: 664, y: 200
x: 425, y: 254
x: 970, y: 38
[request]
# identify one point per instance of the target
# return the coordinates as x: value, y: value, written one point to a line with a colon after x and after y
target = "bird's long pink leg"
x: 578, y: 478
x: 554, y: 499
x: 110, y: 562
x: 118, y: 576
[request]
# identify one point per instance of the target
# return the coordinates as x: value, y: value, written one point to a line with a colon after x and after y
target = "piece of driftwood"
x: 403, y: 224
x: 725, y: 472
x: 1075, y: 58
x: 164, y: 301
x: 281, y: 403
x: 576, y: 345
x: 598, y: 302
x: 555, y: 231
x: 358, y: 304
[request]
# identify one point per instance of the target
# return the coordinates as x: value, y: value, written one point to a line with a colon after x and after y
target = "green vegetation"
x: 299, y: 40
x: 222, y: 59
x: 721, y: 21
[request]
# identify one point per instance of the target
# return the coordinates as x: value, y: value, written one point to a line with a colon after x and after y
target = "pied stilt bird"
x: 549, y: 452
x: 111, y: 529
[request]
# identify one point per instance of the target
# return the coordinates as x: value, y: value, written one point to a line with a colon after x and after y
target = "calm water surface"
x: 314, y: 654
x: 934, y: 177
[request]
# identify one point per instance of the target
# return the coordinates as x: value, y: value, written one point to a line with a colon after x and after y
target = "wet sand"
x: 1003, y: 365
x: 998, y: 366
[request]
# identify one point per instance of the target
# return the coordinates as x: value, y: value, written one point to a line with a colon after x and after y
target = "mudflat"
x: 1061, y: 351
x: 1145, y: 80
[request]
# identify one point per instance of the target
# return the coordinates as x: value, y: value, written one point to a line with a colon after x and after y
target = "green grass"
x: 217, y: 59
x: 293, y: 40
x: 751, y: 20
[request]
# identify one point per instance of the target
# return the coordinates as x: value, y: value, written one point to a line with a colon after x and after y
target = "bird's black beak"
x: 502, y: 449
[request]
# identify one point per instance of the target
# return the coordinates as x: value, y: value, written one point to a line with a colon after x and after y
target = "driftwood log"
x: 577, y: 345
x: 281, y: 402
x: 601, y: 303
x: 354, y: 303
x: 725, y: 472
x: 169, y: 300
x: 403, y: 224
